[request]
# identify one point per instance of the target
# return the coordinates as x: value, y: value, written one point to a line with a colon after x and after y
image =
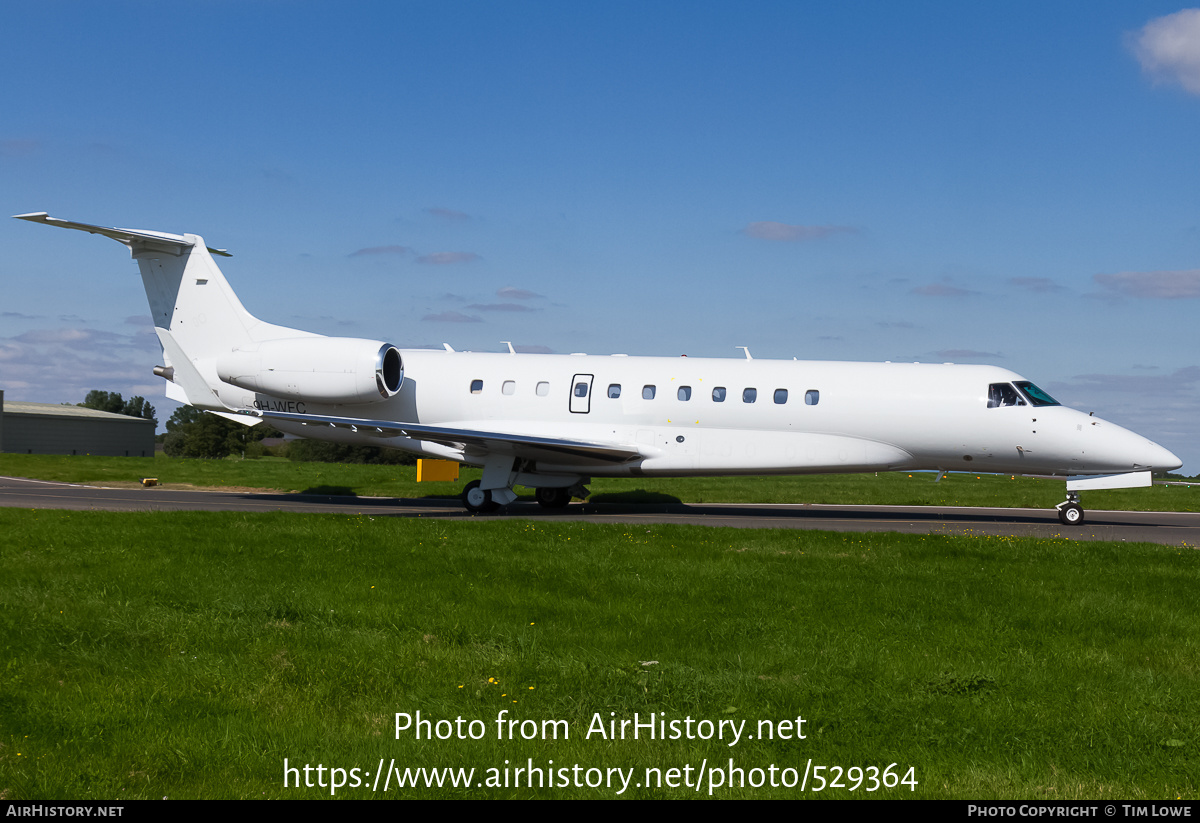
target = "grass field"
x: 896, y: 488
x: 189, y: 654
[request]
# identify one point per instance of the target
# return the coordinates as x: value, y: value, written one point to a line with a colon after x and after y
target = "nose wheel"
x: 1070, y: 513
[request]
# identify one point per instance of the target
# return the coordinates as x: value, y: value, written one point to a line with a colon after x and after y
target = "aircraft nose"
x: 1110, y: 447
x: 1157, y: 458
x: 1141, y: 454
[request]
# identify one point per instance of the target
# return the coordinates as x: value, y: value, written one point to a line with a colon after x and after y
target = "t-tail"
x: 218, y: 356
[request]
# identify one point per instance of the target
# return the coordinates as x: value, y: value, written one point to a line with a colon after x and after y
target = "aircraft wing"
x: 519, y: 445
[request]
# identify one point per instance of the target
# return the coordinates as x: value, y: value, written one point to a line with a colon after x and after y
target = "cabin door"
x: 581, y: 393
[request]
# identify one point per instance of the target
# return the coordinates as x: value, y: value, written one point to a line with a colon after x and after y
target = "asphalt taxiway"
x: 1169, y: 528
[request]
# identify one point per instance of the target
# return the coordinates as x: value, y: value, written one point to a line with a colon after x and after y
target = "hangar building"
x: 44, y: 428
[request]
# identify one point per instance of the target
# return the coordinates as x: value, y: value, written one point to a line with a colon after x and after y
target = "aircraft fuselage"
x: 693, y: 415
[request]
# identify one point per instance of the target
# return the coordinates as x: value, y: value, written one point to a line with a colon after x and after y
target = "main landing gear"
x: 553, y: 498
x: 1070, y: 513
x: 478, y: 500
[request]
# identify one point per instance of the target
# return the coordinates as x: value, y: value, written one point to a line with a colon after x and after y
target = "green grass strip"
x: 186, y: 655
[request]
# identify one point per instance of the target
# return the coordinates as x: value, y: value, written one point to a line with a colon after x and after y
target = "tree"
x: 320, y: 451
x: 192, y: 432
x: 183, y: 416
x: 112, y: 402
x: 137, y: 406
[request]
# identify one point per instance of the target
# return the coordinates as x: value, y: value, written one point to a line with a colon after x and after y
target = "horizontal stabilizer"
x: 243, y: 419
x: 162, y: 241
x: 522, y: 445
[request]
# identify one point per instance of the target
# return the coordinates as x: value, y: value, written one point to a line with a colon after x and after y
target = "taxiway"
x: 1169, y: 528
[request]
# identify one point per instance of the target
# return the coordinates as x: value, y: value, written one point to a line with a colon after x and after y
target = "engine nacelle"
x: 340, y: 370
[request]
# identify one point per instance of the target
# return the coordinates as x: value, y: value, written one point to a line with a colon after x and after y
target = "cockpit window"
x: 1003, y: 394
x: 1036, y: 396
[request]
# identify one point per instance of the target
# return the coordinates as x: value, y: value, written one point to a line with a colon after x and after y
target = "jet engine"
x: 339, y: 370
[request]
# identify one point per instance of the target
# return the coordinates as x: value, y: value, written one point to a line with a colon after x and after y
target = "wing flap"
x: 519, y: 445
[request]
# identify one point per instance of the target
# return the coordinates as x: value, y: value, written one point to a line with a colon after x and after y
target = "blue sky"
x: 1015, y: 184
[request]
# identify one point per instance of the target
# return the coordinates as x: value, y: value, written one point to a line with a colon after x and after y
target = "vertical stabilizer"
x: 190, y: 298
x: 197, y: 316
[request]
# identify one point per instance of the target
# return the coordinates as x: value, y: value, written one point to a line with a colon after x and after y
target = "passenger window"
x: 684, y: 393
x: 647, y: 392
x: 749, y: 395
x: 543, y: 389
x: 812, y: 397
x: 509, y: 387
x: 719, y: 394
x: 476, y: 386
x: 581, y: 389
x: 614, y: 390
x: 780, y: 396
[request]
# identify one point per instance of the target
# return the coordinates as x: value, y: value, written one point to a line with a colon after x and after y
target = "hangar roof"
x: 54, y: 410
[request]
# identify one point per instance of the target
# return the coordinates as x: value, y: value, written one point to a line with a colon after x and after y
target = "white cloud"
x: 19, y: 147
x: 1169, y: 49
x: 443, y: 258
x: 50, y: 337
x: 378, y: 250
x: 499, y: 307
x: 450, y: 317
x: 512, y: 293
x: 62, y: 365
x: 784, y: 232
x: 969, y: 354
x: 942, y: 290
x: 1168, y: 285
x: 1180, y: 383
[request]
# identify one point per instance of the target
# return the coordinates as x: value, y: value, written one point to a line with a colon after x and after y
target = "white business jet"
x: 552, y: 422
